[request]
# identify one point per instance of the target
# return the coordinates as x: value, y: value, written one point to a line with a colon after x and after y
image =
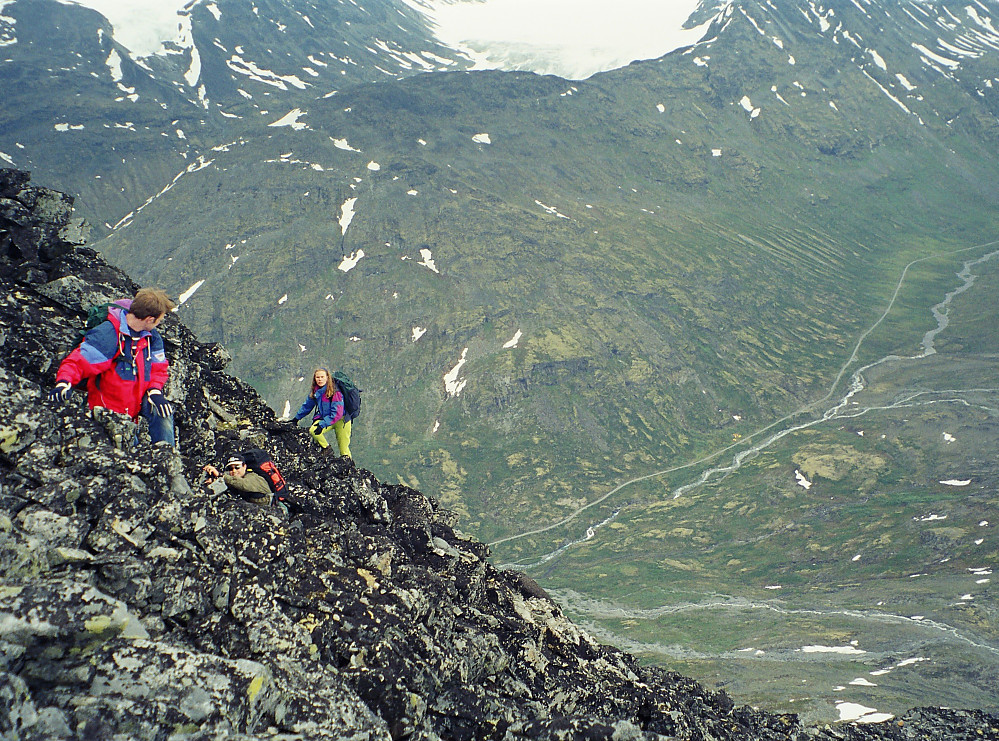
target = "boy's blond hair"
x: 150, y: 302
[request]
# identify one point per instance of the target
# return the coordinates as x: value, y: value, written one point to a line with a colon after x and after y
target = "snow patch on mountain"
x: 199, y: 164
x: 290, y: 119
x: 551, y: 210
x: 428, y: 260
x: 140, y: 26
x: 513, y: 342
x: 405, y: 59
x: 894, y: 99
x: 747, y: 105
x: 350, y: 262
x: 452, y: 385
x: 182, y: 299
x: 850, y: 649
x: 342, y: 144
x: 852, y: 711
x: 540, y: 36
x: 932, y: 59
x: 114, y: 64
x: 8, y: 36
x: 258, y: 74
x: 346, y: 214
x: 878, y: 59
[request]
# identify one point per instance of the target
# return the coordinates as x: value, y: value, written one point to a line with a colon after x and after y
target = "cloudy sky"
x: 572, y: 38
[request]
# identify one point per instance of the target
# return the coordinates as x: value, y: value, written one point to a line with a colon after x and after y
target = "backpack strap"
x: 119, y: 350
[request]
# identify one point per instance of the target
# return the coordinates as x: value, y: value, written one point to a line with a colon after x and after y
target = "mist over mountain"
x: 549, y: 38
x: 697, y: 342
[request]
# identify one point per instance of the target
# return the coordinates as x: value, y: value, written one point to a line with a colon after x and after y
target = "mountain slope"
x: 658, y: 263
x: 137, y: 602
x: 640, y: 277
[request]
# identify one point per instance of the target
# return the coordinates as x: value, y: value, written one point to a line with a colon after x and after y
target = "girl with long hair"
x: 326, y: 404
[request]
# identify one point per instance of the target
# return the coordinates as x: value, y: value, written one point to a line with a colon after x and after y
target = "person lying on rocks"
x: 124, y: 363
x: 240, y: 481
x: 326, y: 404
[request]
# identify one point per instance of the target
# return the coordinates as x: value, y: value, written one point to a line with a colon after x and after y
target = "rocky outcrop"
x: 137, y: 603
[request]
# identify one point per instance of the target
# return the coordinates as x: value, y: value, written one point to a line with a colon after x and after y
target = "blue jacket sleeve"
x: 310, y: 402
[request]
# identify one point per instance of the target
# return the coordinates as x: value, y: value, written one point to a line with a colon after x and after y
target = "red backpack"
x: 259, y: 462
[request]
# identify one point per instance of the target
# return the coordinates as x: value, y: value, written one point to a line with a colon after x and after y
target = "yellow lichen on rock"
x: 255, y: 686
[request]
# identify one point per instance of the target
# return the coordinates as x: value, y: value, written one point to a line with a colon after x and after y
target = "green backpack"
x: 351, y: 396
x: 97, y: 315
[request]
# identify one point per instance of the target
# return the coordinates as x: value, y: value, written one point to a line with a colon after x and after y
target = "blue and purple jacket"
x: 326, y: 409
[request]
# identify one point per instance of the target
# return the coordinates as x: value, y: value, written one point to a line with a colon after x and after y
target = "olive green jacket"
x: 252, y: 487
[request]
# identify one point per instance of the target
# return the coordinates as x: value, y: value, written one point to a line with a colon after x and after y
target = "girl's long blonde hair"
x: 330, y: 388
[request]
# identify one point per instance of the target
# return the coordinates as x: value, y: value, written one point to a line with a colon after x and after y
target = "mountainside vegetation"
x: 139, y: 602
x: 642, y: 276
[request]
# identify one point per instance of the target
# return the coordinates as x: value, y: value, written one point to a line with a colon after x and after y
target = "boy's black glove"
x: 61, y: 391
x: 317, y: 428
x: 161, y: 407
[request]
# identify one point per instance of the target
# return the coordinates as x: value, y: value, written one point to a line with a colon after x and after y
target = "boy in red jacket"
x: 125, y: 364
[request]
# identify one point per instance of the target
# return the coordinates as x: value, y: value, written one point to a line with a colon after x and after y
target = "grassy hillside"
x: 655, y: 304
x: 666, y: 275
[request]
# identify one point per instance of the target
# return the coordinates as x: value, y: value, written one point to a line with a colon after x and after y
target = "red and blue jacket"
x: 326, y: 409
x: 120, y: 364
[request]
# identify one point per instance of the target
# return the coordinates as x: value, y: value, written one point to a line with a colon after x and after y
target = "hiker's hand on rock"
x: 160, y: 405
x: 61, y: 391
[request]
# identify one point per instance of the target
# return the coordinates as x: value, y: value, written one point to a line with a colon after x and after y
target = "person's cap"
x: 234, y: 460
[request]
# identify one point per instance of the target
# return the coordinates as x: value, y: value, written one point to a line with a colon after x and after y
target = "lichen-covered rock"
x: 137, y: 603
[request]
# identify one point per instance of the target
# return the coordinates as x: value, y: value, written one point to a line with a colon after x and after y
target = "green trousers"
x: 342, y: 431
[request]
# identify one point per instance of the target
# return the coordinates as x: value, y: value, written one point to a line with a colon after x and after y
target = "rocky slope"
x: 134, y: 603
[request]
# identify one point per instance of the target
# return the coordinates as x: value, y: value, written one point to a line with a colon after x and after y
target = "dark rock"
x: 137, y: 603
